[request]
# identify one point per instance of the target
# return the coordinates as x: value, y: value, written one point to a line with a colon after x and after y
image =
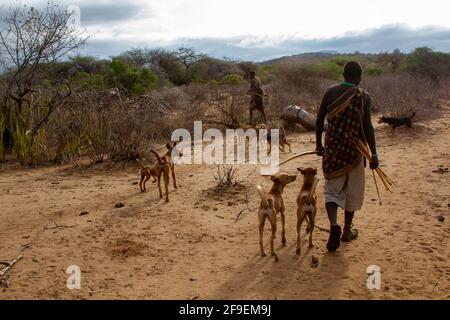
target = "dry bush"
x: 187, y: 104
x: 83, y: 128
x: 197, y: 92
x: 296, y: 84
x: 283, y: 94
x: 105, y: 124
x: 396, y: 95
x: 229, y: 105
x: 115, y: 127
x: 130, y: 129
x: 175, y: 97
x: 226, y: 176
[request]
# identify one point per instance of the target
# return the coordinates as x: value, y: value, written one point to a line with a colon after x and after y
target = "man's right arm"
x: 319, y: 125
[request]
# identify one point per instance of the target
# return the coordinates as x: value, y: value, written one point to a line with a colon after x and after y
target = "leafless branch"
x: 29, y: 38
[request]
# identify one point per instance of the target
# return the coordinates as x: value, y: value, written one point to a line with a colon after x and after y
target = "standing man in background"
x: 257, y: 93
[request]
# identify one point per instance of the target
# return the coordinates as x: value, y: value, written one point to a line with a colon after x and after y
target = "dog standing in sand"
x: 306, y: 202
x: 164, y: 166
x: 272, y: 203
x: 147, y: 172
x: 282, y: 139
x: 398, y: 122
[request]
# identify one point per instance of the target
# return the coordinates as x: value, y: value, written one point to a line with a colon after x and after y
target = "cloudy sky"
x: 260, y: 29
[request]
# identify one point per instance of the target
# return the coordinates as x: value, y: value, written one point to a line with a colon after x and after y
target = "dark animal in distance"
x: 397, y: 122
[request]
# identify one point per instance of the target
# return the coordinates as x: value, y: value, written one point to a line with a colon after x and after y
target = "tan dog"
x: 147, y: 173
x: 306, y: 202
x: 272, y: 203
x: 282, y: 139
x: 164, y: 166
x: 282, y: 136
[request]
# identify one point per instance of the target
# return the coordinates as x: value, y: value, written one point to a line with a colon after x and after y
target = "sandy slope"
x: 192, y: 248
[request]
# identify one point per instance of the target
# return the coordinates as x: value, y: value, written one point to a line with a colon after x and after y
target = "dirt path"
x: 193, y: 248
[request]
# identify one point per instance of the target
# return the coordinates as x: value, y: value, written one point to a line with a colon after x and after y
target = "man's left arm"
x: 253, y: 87
x: 369, y: 132
x: 320, y: 121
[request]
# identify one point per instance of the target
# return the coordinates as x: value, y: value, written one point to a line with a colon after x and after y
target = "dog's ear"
x: 315, y: 172
x: 169, y: 146
x: 301, y: 170
x: 275, y: 178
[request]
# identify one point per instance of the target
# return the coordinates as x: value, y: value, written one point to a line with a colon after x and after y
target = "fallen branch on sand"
x: 323, y: 229
x: 27, y: 245
x: 9, y: 265
x: 441, y: 170
x: 245, y: 209
x: 56, y: 225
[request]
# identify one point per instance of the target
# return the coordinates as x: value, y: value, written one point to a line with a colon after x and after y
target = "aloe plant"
x: 23, y: 141
x: 2, y: 129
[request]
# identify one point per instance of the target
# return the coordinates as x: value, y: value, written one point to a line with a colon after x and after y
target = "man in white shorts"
x: 347, y: 109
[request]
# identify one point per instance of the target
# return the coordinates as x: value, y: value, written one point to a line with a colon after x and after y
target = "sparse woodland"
x: 57, y: 106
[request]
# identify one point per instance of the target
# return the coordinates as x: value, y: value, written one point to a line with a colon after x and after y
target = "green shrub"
x: 374, y: 71
x: 426, y: 62
x: 133, y: 80
x: 341, y: 61
x: 214, y: 83
x: 88, y: 81
x: 232, y: 79
x: 329, y: 69
x: 266, y: 73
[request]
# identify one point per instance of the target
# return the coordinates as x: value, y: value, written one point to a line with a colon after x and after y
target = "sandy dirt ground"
x: 194, y: 248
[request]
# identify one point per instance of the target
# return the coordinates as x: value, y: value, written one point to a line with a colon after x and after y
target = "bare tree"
x: 394, y: 59
x: 188, y: 57
x: 137, y: 56
x: 30, y: 38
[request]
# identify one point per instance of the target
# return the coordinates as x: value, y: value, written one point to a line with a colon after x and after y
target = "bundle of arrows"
x: 387, y: 182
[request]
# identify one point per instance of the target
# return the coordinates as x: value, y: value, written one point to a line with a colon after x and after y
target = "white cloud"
x: 251, y: 23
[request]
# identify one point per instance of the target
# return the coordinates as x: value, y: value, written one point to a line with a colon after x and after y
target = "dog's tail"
x: 157, y: 157
x: 265, y: 202
x: 314, y: 186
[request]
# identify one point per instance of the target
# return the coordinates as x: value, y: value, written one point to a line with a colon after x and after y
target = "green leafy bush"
x: 214, y: 83
x: 426, y: 62
x: 374, y: 71
x: 132, y: 80
x: 88, y: 81
x: 232, y: 79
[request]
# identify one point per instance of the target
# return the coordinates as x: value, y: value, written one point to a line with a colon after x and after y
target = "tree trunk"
x: 296, y: 115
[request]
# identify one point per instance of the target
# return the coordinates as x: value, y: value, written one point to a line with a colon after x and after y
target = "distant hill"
x: 301, y: 56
